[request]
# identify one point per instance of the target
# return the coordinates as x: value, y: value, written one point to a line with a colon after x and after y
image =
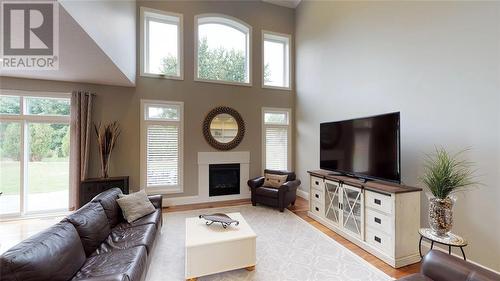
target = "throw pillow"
x: 135, y: 205
x: 274, y: 181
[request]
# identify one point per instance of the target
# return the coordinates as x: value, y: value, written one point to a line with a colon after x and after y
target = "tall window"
x: 276, y: 132
x: 223, y: 50
x: 161, y: 44
x: 161, y: 146
x: 34, y: 152
x: 276, y: 60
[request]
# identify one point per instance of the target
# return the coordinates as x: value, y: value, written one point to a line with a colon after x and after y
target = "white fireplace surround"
x: 219, y: 157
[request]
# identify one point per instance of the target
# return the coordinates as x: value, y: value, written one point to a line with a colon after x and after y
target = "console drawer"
x: 379, y: 221
x: 317, y: 208
x: 379, y: 240
x: 378, y: 201
x: 317, y: 194
x: 318, y: 183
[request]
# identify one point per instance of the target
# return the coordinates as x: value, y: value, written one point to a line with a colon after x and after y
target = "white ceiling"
x: 285, y: 3
x: 85, y: 59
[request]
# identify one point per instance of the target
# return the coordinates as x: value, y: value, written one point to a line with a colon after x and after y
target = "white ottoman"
x: 213, y: 249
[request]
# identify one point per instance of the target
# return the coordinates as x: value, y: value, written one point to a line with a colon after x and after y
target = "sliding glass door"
x: 10, y: 167
x: 34, y: 153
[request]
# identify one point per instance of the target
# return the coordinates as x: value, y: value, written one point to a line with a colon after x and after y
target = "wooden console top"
x: 377, y: 186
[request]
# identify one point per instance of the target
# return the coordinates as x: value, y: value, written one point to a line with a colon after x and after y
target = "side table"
x: 452, y: 240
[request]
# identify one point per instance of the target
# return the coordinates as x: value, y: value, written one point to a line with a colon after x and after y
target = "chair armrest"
x: 255, y: 182
x: 291, y: 185
x: 156, y: 200
x: 107, y: 277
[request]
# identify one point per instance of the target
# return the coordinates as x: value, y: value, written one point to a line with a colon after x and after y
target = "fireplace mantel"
x: 222, y: 157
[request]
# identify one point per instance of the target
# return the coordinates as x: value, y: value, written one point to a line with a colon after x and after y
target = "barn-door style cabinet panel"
x: 382, y: 218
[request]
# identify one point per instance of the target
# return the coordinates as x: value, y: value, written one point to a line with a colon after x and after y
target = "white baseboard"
x: 303, y: 194
x: 185, y: 200
x: 427, y: 245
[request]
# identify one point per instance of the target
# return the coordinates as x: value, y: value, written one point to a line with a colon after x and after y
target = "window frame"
x: 287, y: 59
x: 265, y: 125
x: 144, y: 45
x: 145, y: 122
x: 24, y: 119
x: 230, y: 22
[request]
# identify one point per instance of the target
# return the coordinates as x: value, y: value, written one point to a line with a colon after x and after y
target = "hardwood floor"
x: 206, y: 205
x: 13, y: 232
x: 300, y: 209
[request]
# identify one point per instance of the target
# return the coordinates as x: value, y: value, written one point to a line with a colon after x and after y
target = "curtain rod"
x: 85, y: 93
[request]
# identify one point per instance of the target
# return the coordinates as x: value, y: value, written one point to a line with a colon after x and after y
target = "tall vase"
x: 441, y: 215
x: 105, y: 165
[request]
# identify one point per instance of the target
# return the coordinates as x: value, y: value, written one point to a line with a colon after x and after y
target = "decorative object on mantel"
x: 445, y: 174
x: 221, y: 218
x: 452, y: 240
x: 223, y: 128
x: 106, y: 140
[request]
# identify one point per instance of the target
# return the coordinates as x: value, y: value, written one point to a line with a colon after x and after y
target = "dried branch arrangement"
x: 106, y: 140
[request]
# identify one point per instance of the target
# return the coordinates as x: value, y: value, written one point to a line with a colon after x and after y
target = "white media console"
x: 381, y: 218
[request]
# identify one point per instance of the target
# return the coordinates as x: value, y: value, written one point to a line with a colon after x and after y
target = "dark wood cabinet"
x: 89, y: 188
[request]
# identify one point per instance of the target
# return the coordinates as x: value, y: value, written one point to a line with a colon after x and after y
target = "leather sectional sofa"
x: 439, y: 266
x: 95, y: 243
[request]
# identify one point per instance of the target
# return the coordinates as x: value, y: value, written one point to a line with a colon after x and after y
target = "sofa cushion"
x: 130, y: 262
x: 153, y: 218
x: 156, y: 200
x: 110, y: 206
x: 53, y: 254
x: 135, y: 205
x: 125, y: 238
x: 92, y: 225
x: 267, y: 192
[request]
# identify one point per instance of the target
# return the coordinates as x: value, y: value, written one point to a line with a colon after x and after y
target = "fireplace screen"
x: 224, y: 179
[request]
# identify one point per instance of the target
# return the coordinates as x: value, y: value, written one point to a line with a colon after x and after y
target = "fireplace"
x: 224, y: 179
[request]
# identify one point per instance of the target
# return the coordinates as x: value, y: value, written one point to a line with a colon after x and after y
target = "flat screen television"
x: 368, y: 148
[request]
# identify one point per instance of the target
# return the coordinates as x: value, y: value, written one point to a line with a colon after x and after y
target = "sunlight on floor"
x: 13, y: 232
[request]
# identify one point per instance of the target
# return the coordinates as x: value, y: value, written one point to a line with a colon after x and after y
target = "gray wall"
x: 123, y: 104
x: 436, y: 62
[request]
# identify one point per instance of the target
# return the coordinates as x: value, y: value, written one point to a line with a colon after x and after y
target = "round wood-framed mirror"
x: 223, y: 128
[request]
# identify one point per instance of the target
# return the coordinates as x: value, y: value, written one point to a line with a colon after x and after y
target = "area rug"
x: 288, y: 248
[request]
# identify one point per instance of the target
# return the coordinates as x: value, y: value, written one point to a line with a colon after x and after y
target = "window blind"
x: 162, y: 155
x: 276, y: 143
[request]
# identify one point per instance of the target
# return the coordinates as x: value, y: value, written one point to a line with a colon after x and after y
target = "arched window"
x: 222, y: 51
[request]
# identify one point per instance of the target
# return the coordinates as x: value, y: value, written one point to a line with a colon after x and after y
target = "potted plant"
x: 106, y: 140
x: 444, y: 175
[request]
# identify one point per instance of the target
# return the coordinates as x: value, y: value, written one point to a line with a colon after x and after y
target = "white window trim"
x: 23, y: 119
x: 168, y: 189
x: 23, y: 116
x: 228, y: 22
x: 143, y: 49
x: 289, y: 126
x: 289, y: 60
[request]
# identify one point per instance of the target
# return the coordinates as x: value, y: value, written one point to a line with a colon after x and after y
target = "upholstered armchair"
x: 275, y: 197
